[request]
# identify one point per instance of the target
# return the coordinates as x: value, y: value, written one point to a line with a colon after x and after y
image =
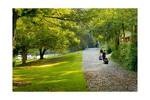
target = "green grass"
x: 62, y: 73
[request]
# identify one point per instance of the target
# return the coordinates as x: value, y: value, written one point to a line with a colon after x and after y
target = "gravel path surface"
x: 106, y: 77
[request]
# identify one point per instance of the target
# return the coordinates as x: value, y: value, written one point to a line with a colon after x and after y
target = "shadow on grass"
x: 62, y: 81
x: 46, y: 61
x: 62, y: 73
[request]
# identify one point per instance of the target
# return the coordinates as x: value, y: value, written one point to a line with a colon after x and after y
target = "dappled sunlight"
x: 46, y: 76
x: 70, y: 72
x: 21, y: 78
x: 18, y: 77
x: 24, y: 68
x: 52, y: 81
x: 56, y: 81
x: 41, y: 66
x: 51, y: 65
x: 62, y: 73
x: 21, y: 83
x: 44, y: 61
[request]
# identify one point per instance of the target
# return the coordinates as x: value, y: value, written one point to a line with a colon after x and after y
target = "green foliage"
x: 126, y: 55
x: 109, y: 50
x: 133, y: 56
x: 61, y: 30
x: 50, y: 29
x: 24, y: 34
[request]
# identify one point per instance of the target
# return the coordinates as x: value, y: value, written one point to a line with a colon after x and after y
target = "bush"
x: 133, y: 55
x: 126, y: 55
x: 109, y: 50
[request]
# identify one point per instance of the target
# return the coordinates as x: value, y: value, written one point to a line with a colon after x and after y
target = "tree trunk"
x: 133, y: 35
x: 24, y: 55
x: 135, y: 28
x: 117, y: 41
x: 15, y: 17
x: 42, y: 52
x: 123, y: 30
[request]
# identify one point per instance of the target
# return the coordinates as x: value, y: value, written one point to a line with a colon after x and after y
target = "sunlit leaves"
x: 63, y: 28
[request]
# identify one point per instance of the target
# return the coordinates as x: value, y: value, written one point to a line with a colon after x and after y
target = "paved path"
x: 106, y: 77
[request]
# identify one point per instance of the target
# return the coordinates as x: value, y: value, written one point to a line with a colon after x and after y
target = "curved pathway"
x: 106, y: 77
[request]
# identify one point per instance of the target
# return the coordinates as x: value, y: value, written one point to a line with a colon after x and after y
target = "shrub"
x: 133, y: 55
x: 109, y: 50
x: 126, y: 55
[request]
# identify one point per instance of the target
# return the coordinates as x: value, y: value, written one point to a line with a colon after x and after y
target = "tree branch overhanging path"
x: 54, y: 35
x: 106, y: 77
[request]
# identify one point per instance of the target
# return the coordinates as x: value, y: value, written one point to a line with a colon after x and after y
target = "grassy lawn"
x: 62, y: 73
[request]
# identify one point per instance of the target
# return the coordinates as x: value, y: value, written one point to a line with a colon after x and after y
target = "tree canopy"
x: 70, y: 29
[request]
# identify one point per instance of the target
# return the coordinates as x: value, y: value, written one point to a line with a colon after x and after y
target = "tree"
x: 60, y: 30
x: 24, y: 37
x: 52, y: 29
